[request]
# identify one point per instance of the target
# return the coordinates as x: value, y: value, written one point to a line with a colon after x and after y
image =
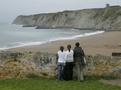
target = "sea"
x: 13, y: 36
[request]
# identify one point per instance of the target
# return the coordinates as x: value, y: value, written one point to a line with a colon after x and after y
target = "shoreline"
x: 104, y: 44
x: 52, y: 40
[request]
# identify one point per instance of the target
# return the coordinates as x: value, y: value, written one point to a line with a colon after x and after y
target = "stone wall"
x: 20, y: 65
x: 105, y: 66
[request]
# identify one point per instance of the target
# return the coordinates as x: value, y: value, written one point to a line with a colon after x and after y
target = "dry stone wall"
x: 20, y: 65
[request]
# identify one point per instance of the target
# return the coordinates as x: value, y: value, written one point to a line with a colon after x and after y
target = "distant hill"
x: 108, y: 18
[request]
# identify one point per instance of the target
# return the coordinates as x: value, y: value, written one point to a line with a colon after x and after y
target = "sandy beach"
x: 103, y: 44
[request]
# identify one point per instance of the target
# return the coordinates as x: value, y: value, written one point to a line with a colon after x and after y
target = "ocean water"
x: 12, y: 36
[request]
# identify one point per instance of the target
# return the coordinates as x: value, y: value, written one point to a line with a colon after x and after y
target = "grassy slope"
x: 51, y: 84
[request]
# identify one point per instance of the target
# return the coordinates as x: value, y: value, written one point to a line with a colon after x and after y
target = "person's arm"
x: 65, y: 56
x: 83, y: 53
x: 84, y: 57
x: 74, y: 52
x: 74, y: 55
x: 56, y: 58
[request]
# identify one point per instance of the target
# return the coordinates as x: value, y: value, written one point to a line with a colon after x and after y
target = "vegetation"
x: 52, y: 84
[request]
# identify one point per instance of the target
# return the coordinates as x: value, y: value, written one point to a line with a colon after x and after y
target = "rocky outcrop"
x: 108, y: 18
x: 22, y: 65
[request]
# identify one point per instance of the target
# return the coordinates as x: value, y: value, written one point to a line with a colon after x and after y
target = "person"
x: 68, y: 70
x: 61, y: 63
x: 79, y: 61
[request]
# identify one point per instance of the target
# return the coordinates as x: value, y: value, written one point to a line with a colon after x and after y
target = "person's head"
x: 62, y: 48
x: 77, y: 44
x: 69, y: 47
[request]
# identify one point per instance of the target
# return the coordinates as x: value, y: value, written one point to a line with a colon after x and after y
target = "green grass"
x: 52, y: 84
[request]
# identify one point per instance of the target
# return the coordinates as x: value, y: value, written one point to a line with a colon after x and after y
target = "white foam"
x: 20, y: 44
x: 78, y: 36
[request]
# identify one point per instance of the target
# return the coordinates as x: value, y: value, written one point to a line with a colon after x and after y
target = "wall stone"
x: 105, y: 66
x: 20, y: 65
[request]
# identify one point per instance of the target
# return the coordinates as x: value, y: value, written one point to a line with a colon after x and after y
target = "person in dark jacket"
x: 79, y: 61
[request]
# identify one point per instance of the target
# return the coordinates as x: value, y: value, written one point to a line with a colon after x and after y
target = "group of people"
x: 69, y: 59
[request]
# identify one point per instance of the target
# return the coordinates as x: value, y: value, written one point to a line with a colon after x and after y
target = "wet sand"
x: 103, y: 44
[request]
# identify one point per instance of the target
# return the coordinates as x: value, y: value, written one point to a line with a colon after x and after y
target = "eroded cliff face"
x: 99, y: 18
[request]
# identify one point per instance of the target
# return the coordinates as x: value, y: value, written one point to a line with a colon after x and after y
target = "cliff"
x: 108, y: 18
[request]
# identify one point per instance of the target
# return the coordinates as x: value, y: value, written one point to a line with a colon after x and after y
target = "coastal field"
x: 103, y: 44
x: 29, y: 45
x: 52, y: 84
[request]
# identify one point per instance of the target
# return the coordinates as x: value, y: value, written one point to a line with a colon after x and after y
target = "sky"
x: 10, y: 9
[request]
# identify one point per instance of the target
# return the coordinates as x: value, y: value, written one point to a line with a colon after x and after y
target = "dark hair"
x: 62, y: 48
x: 69, y: 46
x: 77, y: 44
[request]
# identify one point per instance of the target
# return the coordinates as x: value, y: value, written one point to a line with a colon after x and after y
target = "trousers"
x: 60, y: 71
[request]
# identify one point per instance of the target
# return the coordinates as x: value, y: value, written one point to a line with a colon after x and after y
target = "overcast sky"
x: 9, y: 9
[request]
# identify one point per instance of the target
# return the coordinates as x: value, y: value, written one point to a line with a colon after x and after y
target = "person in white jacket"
x: 61, y: 63
x: 68, y: 70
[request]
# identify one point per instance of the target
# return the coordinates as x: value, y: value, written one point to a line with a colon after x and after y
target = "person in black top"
x: 79, y: 61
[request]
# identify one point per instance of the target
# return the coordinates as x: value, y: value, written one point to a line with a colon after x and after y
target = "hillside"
x: 108, y: 18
